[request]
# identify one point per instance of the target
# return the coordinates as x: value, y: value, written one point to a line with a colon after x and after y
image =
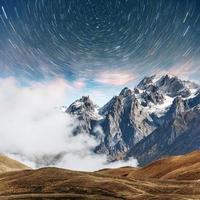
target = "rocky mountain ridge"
x: 145, y: 121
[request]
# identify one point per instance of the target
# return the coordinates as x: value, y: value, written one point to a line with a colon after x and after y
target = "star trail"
x: 84, y: 38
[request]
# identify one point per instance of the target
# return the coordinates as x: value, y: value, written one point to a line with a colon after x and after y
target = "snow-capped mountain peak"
x: 125, y: 92
x: 133, y: 115
x: 84, y: 106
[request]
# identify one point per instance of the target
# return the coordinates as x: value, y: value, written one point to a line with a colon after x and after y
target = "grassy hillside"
x: 8, y: 164
x: 170, y: 178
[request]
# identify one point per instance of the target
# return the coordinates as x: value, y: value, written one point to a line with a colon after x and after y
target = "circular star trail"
x: 77, y: 38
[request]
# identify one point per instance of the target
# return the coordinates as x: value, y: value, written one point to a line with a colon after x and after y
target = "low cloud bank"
x: 33, y: 131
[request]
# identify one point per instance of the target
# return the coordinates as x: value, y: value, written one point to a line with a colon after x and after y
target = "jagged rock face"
x: 179, y: 133
x: 125, y: 122
x: 142, y: 122
x: 86, y: 113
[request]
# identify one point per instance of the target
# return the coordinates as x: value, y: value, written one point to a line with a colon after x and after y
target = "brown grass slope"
x: 8, y: 164
x: 170, y: 178
x: 54, y: 183
x: 185, y: 167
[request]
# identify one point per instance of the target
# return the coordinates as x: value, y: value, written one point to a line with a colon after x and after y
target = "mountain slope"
x: 8, y: 164
x: 182, y: 167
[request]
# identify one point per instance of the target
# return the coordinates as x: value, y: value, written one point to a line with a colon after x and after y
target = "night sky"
x: 100, y: 42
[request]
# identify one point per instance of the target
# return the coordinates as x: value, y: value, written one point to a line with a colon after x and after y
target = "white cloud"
x: 115, y: 78
x: 31, y: 127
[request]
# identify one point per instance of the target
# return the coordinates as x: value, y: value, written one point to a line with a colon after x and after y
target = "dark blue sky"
x: 103, y: 42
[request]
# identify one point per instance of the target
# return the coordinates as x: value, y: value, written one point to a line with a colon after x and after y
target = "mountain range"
x: 159, y: 117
